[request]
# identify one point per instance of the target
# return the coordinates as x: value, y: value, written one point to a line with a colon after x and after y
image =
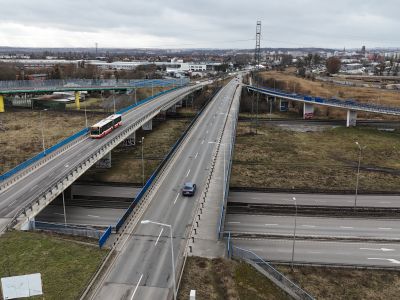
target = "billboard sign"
x: 21, y: 286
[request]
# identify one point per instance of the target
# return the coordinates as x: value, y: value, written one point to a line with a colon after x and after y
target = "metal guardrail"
x: 347, y: 104
x: 42, y: 154
x: 254, y: 259
x: 19, y: 86
x: 66, y: 229
x: 228, y: 169
x: 79, y: 167
x: 59, y: 145
x: 140, y: 195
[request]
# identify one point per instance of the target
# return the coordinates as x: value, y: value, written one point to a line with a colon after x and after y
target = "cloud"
x: 198, y: 24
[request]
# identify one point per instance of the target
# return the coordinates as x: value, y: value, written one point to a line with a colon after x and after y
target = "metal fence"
x: 67, y: 229
x: 7, y: 87
x: 256, y: 260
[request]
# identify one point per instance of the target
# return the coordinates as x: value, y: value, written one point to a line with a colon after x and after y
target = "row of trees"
x: 9, y: 71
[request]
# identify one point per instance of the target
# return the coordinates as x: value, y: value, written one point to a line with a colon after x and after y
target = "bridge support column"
x: 162, y: 115
x: 130, y: 141
x: 283, y: 105
x: 148, y: 126
x: 179, y: 104
x: 105, y: 162
x: 1, y: 103
x: 308, y: 111
x: 351, y: 118
x: 172, y: 109
x: 78, y: 99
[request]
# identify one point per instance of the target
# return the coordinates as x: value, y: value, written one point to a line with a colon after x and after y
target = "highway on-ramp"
x: 37, y: 182
x: 360, y: 228
x: 325, y: 252
x: 314, y: 199
x: 142, y: 268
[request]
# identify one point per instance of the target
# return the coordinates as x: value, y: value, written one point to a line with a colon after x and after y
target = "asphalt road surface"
x: 313, y: 226
x: 104, y: 191
x: 325, y: 252
x: 99, y: 217
x: 142, y: 268
x: 37, y: 182
x: 315, y: 199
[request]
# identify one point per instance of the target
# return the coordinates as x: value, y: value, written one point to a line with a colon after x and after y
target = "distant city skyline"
x: 199, y: 24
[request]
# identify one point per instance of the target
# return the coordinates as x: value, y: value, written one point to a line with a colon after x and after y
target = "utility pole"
x: 257, y: 57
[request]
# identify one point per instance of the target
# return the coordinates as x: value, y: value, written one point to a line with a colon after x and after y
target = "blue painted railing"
x: 140, y: 195
x: 84, y: 131
x: 42, y: 154
x: 350, y: 104
x: 104, y: 236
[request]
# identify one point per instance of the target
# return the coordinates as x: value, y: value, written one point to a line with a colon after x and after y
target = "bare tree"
x: 333, y: 65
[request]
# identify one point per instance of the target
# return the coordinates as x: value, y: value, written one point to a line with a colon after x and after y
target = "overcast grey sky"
x: 199, y: 23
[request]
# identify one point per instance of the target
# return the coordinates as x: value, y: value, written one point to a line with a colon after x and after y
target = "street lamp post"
x: 358, y: 172
x: 86, y: 122
x: 41, y: 125
x: 172, y: 248
x: 114, y: 100
x: 142, y: 162
x: 294, y: 230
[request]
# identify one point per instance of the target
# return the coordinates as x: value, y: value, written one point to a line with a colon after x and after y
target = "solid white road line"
x: 271, y: 224
x: 134, y: 292
x: 176, y: 198
x: 346, y: 227
x: 385, y: 228
x: 308, y: 226
x: 158, y: 237
x: 93, y: 216
x: 233, y: 222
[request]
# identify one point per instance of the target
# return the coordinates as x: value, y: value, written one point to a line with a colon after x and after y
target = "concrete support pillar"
x: 148, y: 126
x: 351, y: 118
x: 1, y: 103
x: 130, y: 141
x: 78, y: 99
x: 308, y: 111
x: 105, y: 162
x: 172, y: 109
x: 283, y: 105
x: 161, y: 116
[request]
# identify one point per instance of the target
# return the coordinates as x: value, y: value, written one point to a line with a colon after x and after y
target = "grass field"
x: 278, y: 158
x: 228, y: 279
x: 221, y: 279
x: 338, y: 283
x: 66, y: 266
x: 22, y: 135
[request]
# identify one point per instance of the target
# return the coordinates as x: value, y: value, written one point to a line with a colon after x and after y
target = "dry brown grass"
x: 337, y: 283
x: 277, y: 158
x: 221, y: 279
x: 289, y: 82
x: 22, y: 138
